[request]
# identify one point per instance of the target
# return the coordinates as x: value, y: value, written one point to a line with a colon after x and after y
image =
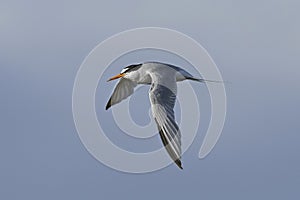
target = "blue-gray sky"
x: 256, y: 46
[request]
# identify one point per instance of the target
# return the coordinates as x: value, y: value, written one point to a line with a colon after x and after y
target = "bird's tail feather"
x: 203, y: 80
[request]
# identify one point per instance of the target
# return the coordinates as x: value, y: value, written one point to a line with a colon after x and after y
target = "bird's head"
x: 126, y: 72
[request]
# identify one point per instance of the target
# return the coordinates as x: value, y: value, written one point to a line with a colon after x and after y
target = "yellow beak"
x: 116, y: 77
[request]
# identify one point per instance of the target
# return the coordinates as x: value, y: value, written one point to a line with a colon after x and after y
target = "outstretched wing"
x: 162, y: 97
x: 124, y: 89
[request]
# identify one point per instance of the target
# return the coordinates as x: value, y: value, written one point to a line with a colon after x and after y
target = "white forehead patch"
x: 123, y: 70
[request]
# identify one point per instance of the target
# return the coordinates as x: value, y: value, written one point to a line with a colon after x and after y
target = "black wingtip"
x: 178, y: 163
x: 108, y: 105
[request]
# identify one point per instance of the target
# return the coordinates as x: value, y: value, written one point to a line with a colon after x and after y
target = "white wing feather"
x: 162, y: 97
x: 124, y: 89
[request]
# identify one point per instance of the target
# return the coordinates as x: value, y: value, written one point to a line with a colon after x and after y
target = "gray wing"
x: 124, y: 89
x: 162, y: 102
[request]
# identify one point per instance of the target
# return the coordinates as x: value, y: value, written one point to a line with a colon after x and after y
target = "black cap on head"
x: 131, y: 68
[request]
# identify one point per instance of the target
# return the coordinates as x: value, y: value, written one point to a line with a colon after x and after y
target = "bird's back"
x: 166, y: 71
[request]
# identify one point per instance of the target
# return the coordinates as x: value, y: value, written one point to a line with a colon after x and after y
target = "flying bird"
x: 162, y: 94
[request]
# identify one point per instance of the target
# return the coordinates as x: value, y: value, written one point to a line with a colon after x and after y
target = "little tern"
x: 162, y: 94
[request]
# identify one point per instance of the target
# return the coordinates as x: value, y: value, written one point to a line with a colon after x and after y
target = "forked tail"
x: 203, y: 80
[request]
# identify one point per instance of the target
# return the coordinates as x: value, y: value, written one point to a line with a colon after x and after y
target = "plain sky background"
x: 256, y: 46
